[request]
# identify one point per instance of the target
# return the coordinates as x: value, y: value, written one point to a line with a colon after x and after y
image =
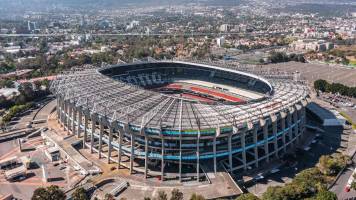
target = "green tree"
x: 273, y: 193
x: 353, y: 185
x: 27, y: 90
x: 247, y: 196
x: 162, y: 196
x: 176, y: 195
x: 52, y: 192
x: 40, y: 194
x: 109, y: 197
x: 80, y: 194
x: 320, y: 85
x: 325, y: 195
x: 197, y: 197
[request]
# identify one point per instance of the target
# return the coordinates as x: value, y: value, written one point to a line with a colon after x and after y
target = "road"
x: 140, y: 34
x: 339, y: 187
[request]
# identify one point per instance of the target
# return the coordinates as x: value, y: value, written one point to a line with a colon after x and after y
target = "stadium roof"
x: 126, y: 103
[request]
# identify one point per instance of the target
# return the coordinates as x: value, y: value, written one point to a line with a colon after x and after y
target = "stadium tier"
x: 167, y: 117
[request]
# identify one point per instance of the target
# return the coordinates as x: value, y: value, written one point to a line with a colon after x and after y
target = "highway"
x: 141, y: 34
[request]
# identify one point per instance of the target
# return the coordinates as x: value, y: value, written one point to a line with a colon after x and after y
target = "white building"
x: 224, y: 28
x: 220, y: 41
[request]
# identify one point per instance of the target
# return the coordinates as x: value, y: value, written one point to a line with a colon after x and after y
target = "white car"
x: 273, y: 171
x: 258, y: 177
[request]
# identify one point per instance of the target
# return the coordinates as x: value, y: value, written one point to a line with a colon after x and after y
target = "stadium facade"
x: 171, y: 119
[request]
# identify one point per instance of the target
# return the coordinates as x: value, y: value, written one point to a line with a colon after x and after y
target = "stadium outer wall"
x: 241, y: 149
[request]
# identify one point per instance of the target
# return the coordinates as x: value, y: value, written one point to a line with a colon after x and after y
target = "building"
x: 224, y: 28
x: 311, y: 45
x: 31, y: 26
x: 53, y: 154
x: 9, y: 162
x: 220, y: 41
x: 171, y: 119
x: 15, y: 173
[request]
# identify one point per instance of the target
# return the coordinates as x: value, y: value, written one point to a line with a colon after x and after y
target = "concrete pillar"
x: 295, y: 119
x: 110, y: 143
x: 69, y: 107
x: 132, y: 156
x: 198, y: 159
x: 162, y: 160
x: 283, y: 125
x: 79, y: 123
x: 265, y: 138
x: 146, y: 156
x: 243, y: 146
x: 93, y: 127
x: 214, y: 151
x: 58, y: 109
x: 302, y: 122
x: 275, y: 141
x: 65, y: 112
x: 121, y: 136
x: 61, y: 102
x: 180, y: 158
x: 74, y: 118
x: 230, y: 151
x: 101, y: 131
x: 85, y: 130
x: 290, y: 131
x: 255, y: 149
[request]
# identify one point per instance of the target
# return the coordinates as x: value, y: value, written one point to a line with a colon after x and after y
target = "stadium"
x: 177, y: 120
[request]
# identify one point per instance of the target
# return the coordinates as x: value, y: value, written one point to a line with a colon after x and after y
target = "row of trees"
x: 330, y: 165
x: 278, y: 57
x: 324, y: 86
x: 310, y: 183
x: 23, y: 101
x: 175, y: 195
x: 55, y: 193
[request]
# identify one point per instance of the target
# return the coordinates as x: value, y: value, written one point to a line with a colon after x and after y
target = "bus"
x: 8, y: 162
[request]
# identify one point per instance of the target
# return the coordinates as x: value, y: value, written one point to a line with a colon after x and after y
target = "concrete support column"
x: 65, y: 112
x: 243, y: 146
x: 302, y: 122
x: 68, y: 117
x: 93, y: 127
x: 265, y: 138
x: 275, y: 141
x: 85, y: 130
x: 62, y: 113
x: 255, y: 149
x: 146, y: 156
x: 283, y: 125
x: 198, y: 159
x: 214, y: 151
x: 295, y: 120
x: 74, y: 118
x: 80, y: 118
x: 162, y: 160
x: 58, y: 109
x: 101, y: 131
x: 121, y: 136
x: 180, y: 158
x: 290, y: 131
x: 230, y: 151
x: 110, y: 143
x: 132, y: 156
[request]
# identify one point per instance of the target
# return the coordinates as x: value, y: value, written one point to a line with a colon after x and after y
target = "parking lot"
x: 320, y: 143
x: 59, y: 174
